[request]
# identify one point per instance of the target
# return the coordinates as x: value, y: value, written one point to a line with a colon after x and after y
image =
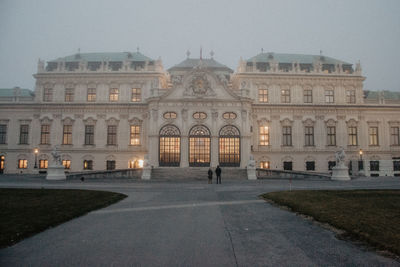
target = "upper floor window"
x: 91, y: 94
x: 373, y: 136
x: 331, y: 131
x: 135, y: 135
x: 136, y: 95
x: 45, y: 134
x: 263, y: 95
x: 69, y: 95
x: 308, y: 96
x: 352, y: 131
x: 199, y: 115
x: 48, y: 94
x: 169, y: 115
x: 111, y: 135
x: 67, y: 135
x: 89, y: 134
x: 309, y: 135
x: 285, y: 96
x: 394, y: 136
x: 24, y: 134
x: 264, y: 136
x: 351, y: 96
x: 114, y: 92
x: 3, y: 133
x: 287, y: 135
x: 329, y: 96
x: 229, y: 115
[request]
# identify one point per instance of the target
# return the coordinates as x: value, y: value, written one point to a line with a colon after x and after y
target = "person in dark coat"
x: 218, y: 173
x: 210, y: 175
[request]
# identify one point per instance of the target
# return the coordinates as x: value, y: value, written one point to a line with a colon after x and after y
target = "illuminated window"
x: 24, y: 134
x: 199, y: 146
x: 67, y: 164
x: 169, y: 115
x: 45, y: 134
x: 114, y: 94
x: 331, y: 131
x: 67, y: 135
x: 285, y: 96
x: 394, y: 136
x: 352, y: 131
x: 48, y: 94
x: 111, y: 135
x: 373, y: 136
x: 287, y: 135
x: 264, y: 164
x: 43, y: 164
x: 69, y: 95
x: 88, y: 164
x: 22, y: 164
x: 308, y: 96
x: 264, y: 136
x: 309, y: 135
x: 263, y: 95
x: 229, y: 115
x: 134, y: 164
x: 135, y: 135
x: 3, y: 133
x: 169, y: 141
x: 329, y: 96
x: 91, y: 94
x: 136, y: 95
x: 199, y: 115
x: 350, y: 96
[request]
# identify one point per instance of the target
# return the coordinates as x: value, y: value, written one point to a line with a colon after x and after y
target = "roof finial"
x: 187, y: 53
x: 79, y: 50
x: 201, y: 52
x: 262, y: 50
x: 320, y: 52
x: 212, y: 54
x: 137, y: 49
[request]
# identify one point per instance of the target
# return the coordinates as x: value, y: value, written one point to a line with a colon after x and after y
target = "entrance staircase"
x: 196, y: 173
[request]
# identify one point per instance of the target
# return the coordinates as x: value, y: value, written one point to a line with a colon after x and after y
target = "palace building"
x: 108, y: 111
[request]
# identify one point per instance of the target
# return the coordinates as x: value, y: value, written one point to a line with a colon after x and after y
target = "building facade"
x: 111, y: 110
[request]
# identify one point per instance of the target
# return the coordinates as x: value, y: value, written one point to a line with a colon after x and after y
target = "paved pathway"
x: 191, y: 224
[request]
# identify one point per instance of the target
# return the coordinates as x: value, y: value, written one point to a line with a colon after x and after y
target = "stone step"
x: 197, y: 173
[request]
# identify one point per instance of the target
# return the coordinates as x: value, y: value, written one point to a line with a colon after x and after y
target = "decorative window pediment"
x: 68, y: 121
x: 46, y: 120
x: 286, y: 122
x: 331, y: 122
x: 135, y: 121
x: 90, y: 121
x: 308, y: 122
x: 351, y: 122
x: 112, y: 121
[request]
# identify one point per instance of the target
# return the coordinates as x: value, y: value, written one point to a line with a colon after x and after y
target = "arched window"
x: 170, y: 146
x: 229, y: 146
x: 199, y: 146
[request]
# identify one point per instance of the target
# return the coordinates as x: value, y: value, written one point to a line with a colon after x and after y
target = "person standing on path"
x: 218, y: 173
x: 210, y: 175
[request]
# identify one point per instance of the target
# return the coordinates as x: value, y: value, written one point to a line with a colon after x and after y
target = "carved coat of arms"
x: 199, y: 85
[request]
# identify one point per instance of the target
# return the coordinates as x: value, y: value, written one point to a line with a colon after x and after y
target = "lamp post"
x: 36, y: 152
x: 361, y: 163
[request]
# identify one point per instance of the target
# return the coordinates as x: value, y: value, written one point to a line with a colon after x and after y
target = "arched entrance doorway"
x: 229, y: 146
x: 170, y: 146
x: 199, y: 146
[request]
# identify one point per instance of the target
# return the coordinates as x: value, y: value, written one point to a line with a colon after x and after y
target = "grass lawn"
x: 372, y: 216
x: 25, y: 212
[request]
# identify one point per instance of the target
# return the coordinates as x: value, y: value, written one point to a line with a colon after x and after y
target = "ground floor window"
x: 199, y: 146
x: 310, y: 165
x: 43, y: 164
x: 67, y: 164
x: 22, y: 164
x: 374, y: 165
x: 229, y: 146
x: 110, y: 164
x: 170, y: 146
x: 134, y: 164
x: 88, y: 164
x: 396, y: 165
x: 287, y: 165
x: 2, y: 159
x: 264, y: 164
x: 331, y: 164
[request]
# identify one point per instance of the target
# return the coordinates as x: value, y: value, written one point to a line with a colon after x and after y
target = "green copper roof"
x: 290, y: 58
x: 191, y: 63
x: 113, y: 56
x: 6, y: 92
x: 389, y: 95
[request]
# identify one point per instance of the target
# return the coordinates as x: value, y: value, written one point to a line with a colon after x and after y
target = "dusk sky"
x: 364, y: 30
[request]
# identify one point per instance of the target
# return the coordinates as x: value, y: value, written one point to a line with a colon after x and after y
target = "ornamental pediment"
x: 198, y: 85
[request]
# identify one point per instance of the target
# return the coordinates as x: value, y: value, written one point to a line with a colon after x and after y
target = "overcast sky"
x: 363, y: 30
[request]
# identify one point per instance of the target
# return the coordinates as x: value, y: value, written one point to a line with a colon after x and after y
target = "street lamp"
x: 36, y: 151
x: 361, y: 163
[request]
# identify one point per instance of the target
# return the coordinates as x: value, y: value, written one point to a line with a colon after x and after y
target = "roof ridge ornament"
x: 187, y: 53
x: 212, y: 54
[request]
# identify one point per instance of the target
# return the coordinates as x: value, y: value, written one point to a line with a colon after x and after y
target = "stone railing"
x: 110, y: 174
x: 266, y: 173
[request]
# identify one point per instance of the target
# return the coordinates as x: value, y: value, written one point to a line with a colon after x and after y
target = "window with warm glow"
x: 264, y: 136
x: 43, y: 164
x: 45, y: 134
x: 264, y: 164
x: 352, y: 131
x: 229, y: 115
x: 136, y: 95
x: 135, y: 135
x: 91, y: 94
x: 285, y: 96
x: 373, y: 136
x: 88, y: 164
x: 114, y: 92
x: 67, y: 164
x: 169, y: 115
x: 394, y: 136
x: 199, y: 115
x: 263, y: 95
x: 22, y: 164
x: 67, y: 135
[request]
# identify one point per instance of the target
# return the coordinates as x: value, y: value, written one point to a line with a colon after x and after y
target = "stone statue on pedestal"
x: 251, y: 169
x: 340, y: 171
x: 56, y: 170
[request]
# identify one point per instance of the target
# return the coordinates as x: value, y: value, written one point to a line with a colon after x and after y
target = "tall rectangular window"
x: 69, y: 95
x: 263, y: 95
x: 373, y: 136
x: 374, y: 165
x: 394, y: 136
x: 308, y: 96
x: 89, y: 134
x: 135, y: 135
x: 67, y: 135
x: 48, y: 94
x: 43, y: 164
x: 24, y: 134
x: 264, y: 136
x: 110, y: 164
x: 285, y: 96
x: 329, y: 96
x: 88, y: 164
x: 91, y: 94
x: 309, y: 135
x: 114, y: 94
x: 45, y: 134
x: 111, y: 135
x: 287, y: 135
x: 310, y: 165
x: 264, y: 164
x: 136, y: 95
x: 3, y: 133
x: 331, y: 131
x: 351, y: 96
x: 22, y: 164
x: 352, y: 131
x: 66, y: 163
